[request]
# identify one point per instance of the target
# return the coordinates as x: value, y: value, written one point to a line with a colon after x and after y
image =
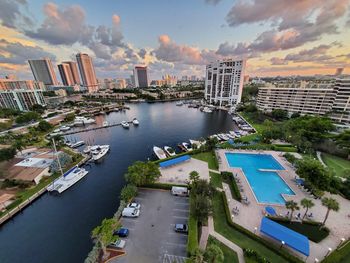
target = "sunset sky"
x: 178, y: 37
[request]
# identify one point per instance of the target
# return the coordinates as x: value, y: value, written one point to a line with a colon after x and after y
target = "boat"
x: 215, y: 137
x: 187, y: 146
x: 56, y: 130
x: 125, y: 124
x: 207, y: 110
x: 77, y: 144
x: 87, y: 149
x: 105, y: 124
x: 159, y: 152
x: 67, y: 180
x: 79, y: 121
x: 98, y: 151
x: 179, y: 103
x: 135, y: 121
x: 197, y: 143
x: 169, y: 151
x: 64, y: 128
x: 223, y: 137
x: 233, y: 134
x: 230, y: 136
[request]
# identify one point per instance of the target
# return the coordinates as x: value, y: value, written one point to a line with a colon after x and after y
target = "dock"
x: 93, y: 128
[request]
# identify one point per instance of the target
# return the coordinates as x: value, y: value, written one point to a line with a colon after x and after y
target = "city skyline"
x: 311, y: 37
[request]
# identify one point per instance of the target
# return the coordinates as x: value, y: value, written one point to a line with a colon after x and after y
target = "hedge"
x: 192, y: 239
x: 163, y: 186
x: 228, y: 178
x: 255, y: 256
x: 277, y: 250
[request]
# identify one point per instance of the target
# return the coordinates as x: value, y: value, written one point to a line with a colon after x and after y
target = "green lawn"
x: 215, y: 179
x: 208, y: 157
x: 258, y: 126
x: 339, y: 256
x: 221, y: 226
x: 230, y: 256
x: 339, y: 165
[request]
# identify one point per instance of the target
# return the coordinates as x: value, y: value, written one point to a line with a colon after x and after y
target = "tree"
x: 201, y: 207
x: 7, y: 153
x: 331, y: 204
x: 295, y: 115
x: 141, y: 173
x: 27, y: 117
x: 292, y: 206
x: 213, y: 254
x: 44, y: 126
x: 128, y: 192
x: 19, y: 145
x: 202, y: 187
x: 306, y: 203
x: 38, y: 108
x: 69, y: 117
x: 194, y: 177
x: 279, y: 114
x: 104, y: 233
x: 197, y: 256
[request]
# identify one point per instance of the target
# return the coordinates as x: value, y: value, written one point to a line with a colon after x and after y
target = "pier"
x: 93, y: 128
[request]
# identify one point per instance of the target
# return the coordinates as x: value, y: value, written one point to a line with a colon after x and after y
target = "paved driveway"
x: 152, y: 238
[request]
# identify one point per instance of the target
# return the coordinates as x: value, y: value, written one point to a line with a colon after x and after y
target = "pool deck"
x: 250, y: 215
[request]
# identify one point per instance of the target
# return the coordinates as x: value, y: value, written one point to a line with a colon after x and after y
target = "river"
x: 56, y: 228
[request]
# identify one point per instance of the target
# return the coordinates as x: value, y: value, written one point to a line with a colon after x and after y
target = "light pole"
x: 282, y: 244
x: 316, y: 260
x: 341, y: 241
x: 255, y: 229
x: 328, y: 252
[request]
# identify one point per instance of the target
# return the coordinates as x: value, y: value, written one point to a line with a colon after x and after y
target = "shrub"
x: 228, y: 178
x: 128, y: 192
x: 192, y: 241
x: 250, y: 253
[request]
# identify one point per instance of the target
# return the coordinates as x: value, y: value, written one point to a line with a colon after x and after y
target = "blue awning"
x: 270, y: 210
x: 281, y: 233
x: 174, y: 161
x: 300, y: 181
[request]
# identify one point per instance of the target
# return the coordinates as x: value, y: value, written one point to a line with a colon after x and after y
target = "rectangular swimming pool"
x: 267, y: 186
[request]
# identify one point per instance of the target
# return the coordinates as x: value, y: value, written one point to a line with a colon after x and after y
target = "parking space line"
x: 175, y: 244
x: 181, y: 217
x: 181, y: 210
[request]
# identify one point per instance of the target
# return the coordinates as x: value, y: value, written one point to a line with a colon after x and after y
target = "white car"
x: 119, y: 243
x: 130, y: 212
x: 134, y: 205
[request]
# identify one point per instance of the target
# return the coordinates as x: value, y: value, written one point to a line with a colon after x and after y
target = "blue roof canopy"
x: 300, y: 181
x: 174, y: 161
x: 270, y: 210
x: 291, y: 238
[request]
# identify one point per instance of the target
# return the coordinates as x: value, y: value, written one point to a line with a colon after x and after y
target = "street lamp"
x: 316, y: 260
x: 341, y: 241
x: 328, y: 252
x: 282, y: 244
x: 255, y: 229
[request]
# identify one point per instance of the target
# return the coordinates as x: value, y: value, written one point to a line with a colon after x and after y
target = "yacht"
x: 105, y: 124
x: 98, y: 151
x: 187, y: 146
x: 179, y: 103
x: 169, y: 151
x: 64, y: 128
x: 125, y: 124
x: 135, y: 121
x: 68, y: 179
x: 159, y: 152
x: 87, y: 149
x: 79, y: 121
x: 77, y: 144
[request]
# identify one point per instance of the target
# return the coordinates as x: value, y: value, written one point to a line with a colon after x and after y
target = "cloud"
x: 11, y: 15
x: 212, y: 2
x: 278, y: 61
x: 17, y: 53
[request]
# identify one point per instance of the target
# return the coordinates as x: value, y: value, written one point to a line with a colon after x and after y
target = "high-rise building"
x: 339, y: 71
x: 74, y: 70
x: 87, y: 72
x: 224, y: 81
x: 43, y: 71
x: 21, y: 99
x: 141, y: 77
x: 341, y: 104
x: 66, y: 74
x: 10, y: 84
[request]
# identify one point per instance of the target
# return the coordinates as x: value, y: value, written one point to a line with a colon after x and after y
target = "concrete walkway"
x: 320, y: 158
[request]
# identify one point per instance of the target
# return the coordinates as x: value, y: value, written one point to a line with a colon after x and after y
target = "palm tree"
x: 214, y: 254
x: 19, y: 145
x: 197, y: 256
x: 306, y: 203
x: 292, y: 206
x: 331, y: 204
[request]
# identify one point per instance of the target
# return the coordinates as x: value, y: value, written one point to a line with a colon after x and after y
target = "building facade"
x: 87, y: 72
x: 141, y: 78
x: 341, y: 104
x: 66, y: 74
x: 21, y: 99
x: 10, y: 84
x: 42, y: 70
x: 74, y: 71
x: 224, y: 82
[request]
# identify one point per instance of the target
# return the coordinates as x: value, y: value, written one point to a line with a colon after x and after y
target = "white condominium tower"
x: 224, y: 82
x: 87, y: 72
x: 43, y: 71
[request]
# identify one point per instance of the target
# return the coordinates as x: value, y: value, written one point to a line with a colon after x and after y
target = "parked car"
x: 118, y: 244
x: 134, y: 205
x: 179, y: 191
x: 182, y: 228
x: 123, y: 232
x: 130, y: 212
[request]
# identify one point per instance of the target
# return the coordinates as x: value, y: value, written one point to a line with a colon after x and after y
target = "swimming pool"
x: 267, y: 186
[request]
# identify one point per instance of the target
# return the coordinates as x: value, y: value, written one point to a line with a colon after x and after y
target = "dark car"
x: 123, y: 232
x: 182, y: 228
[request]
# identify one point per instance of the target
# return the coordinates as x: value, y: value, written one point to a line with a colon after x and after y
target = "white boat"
x: 233, y: 134
x: 159, y: 152
x: 197, y: 143
x: 77, y: 144
x: 223, y: 136
x: 207, y: 110
x: 98, y: 151
x: 215, y: 137
x: 64, y: 128
x: 125, y: 124
x: 230, y: 136
x: 56, y: 130
x: 87, y: 149
x: 105, y: 124
x: 79, y: 120
x: 169, y: 151
x: 179, y: 103
x: 135, y: 121
x: 187, y: 146
x: 68, y: 179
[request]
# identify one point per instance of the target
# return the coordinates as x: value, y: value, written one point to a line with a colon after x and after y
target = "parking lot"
x: 152, y: 237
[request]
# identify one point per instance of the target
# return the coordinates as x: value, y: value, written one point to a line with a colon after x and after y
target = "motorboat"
x: 233, y: 134
x: 79, y: 121
x: 230, y: 136
x: 56, y: 130
x: 67, y: 180
x: 64, y: 128
x: 223, y: 137
x: 135, y: 121
x: 215, y: 137
x: 98, y: 151
x: 179, y: 103
x: 169, y: 151
x: 125, y: 124
x: 77, y: 144
x: 105, y: 124
x: 197, y: 143
x: 159, y: 152
x: 187, y: 146
x: 87, y: 149
x: 207, y: 110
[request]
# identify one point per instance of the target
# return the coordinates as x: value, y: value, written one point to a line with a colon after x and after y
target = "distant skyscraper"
x: 339, y: 71
x: 43, y: 71
x: 224, y: 81
x: 87, y: 72
x: 74, y: 69
x: 66, y: 74
x: 141, y: 77
x: 193, y: 78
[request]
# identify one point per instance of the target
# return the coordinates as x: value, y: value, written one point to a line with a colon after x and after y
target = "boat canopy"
x: 174, y: 161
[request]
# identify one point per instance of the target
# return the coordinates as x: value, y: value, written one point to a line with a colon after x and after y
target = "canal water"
x: 56, y: 228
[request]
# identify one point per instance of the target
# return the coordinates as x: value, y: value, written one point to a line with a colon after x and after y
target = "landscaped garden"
x: 230, y: 256
x: 208, y: 157
x: 340, y: 166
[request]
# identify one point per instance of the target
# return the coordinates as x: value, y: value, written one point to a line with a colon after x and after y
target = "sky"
x: 177, y: 37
